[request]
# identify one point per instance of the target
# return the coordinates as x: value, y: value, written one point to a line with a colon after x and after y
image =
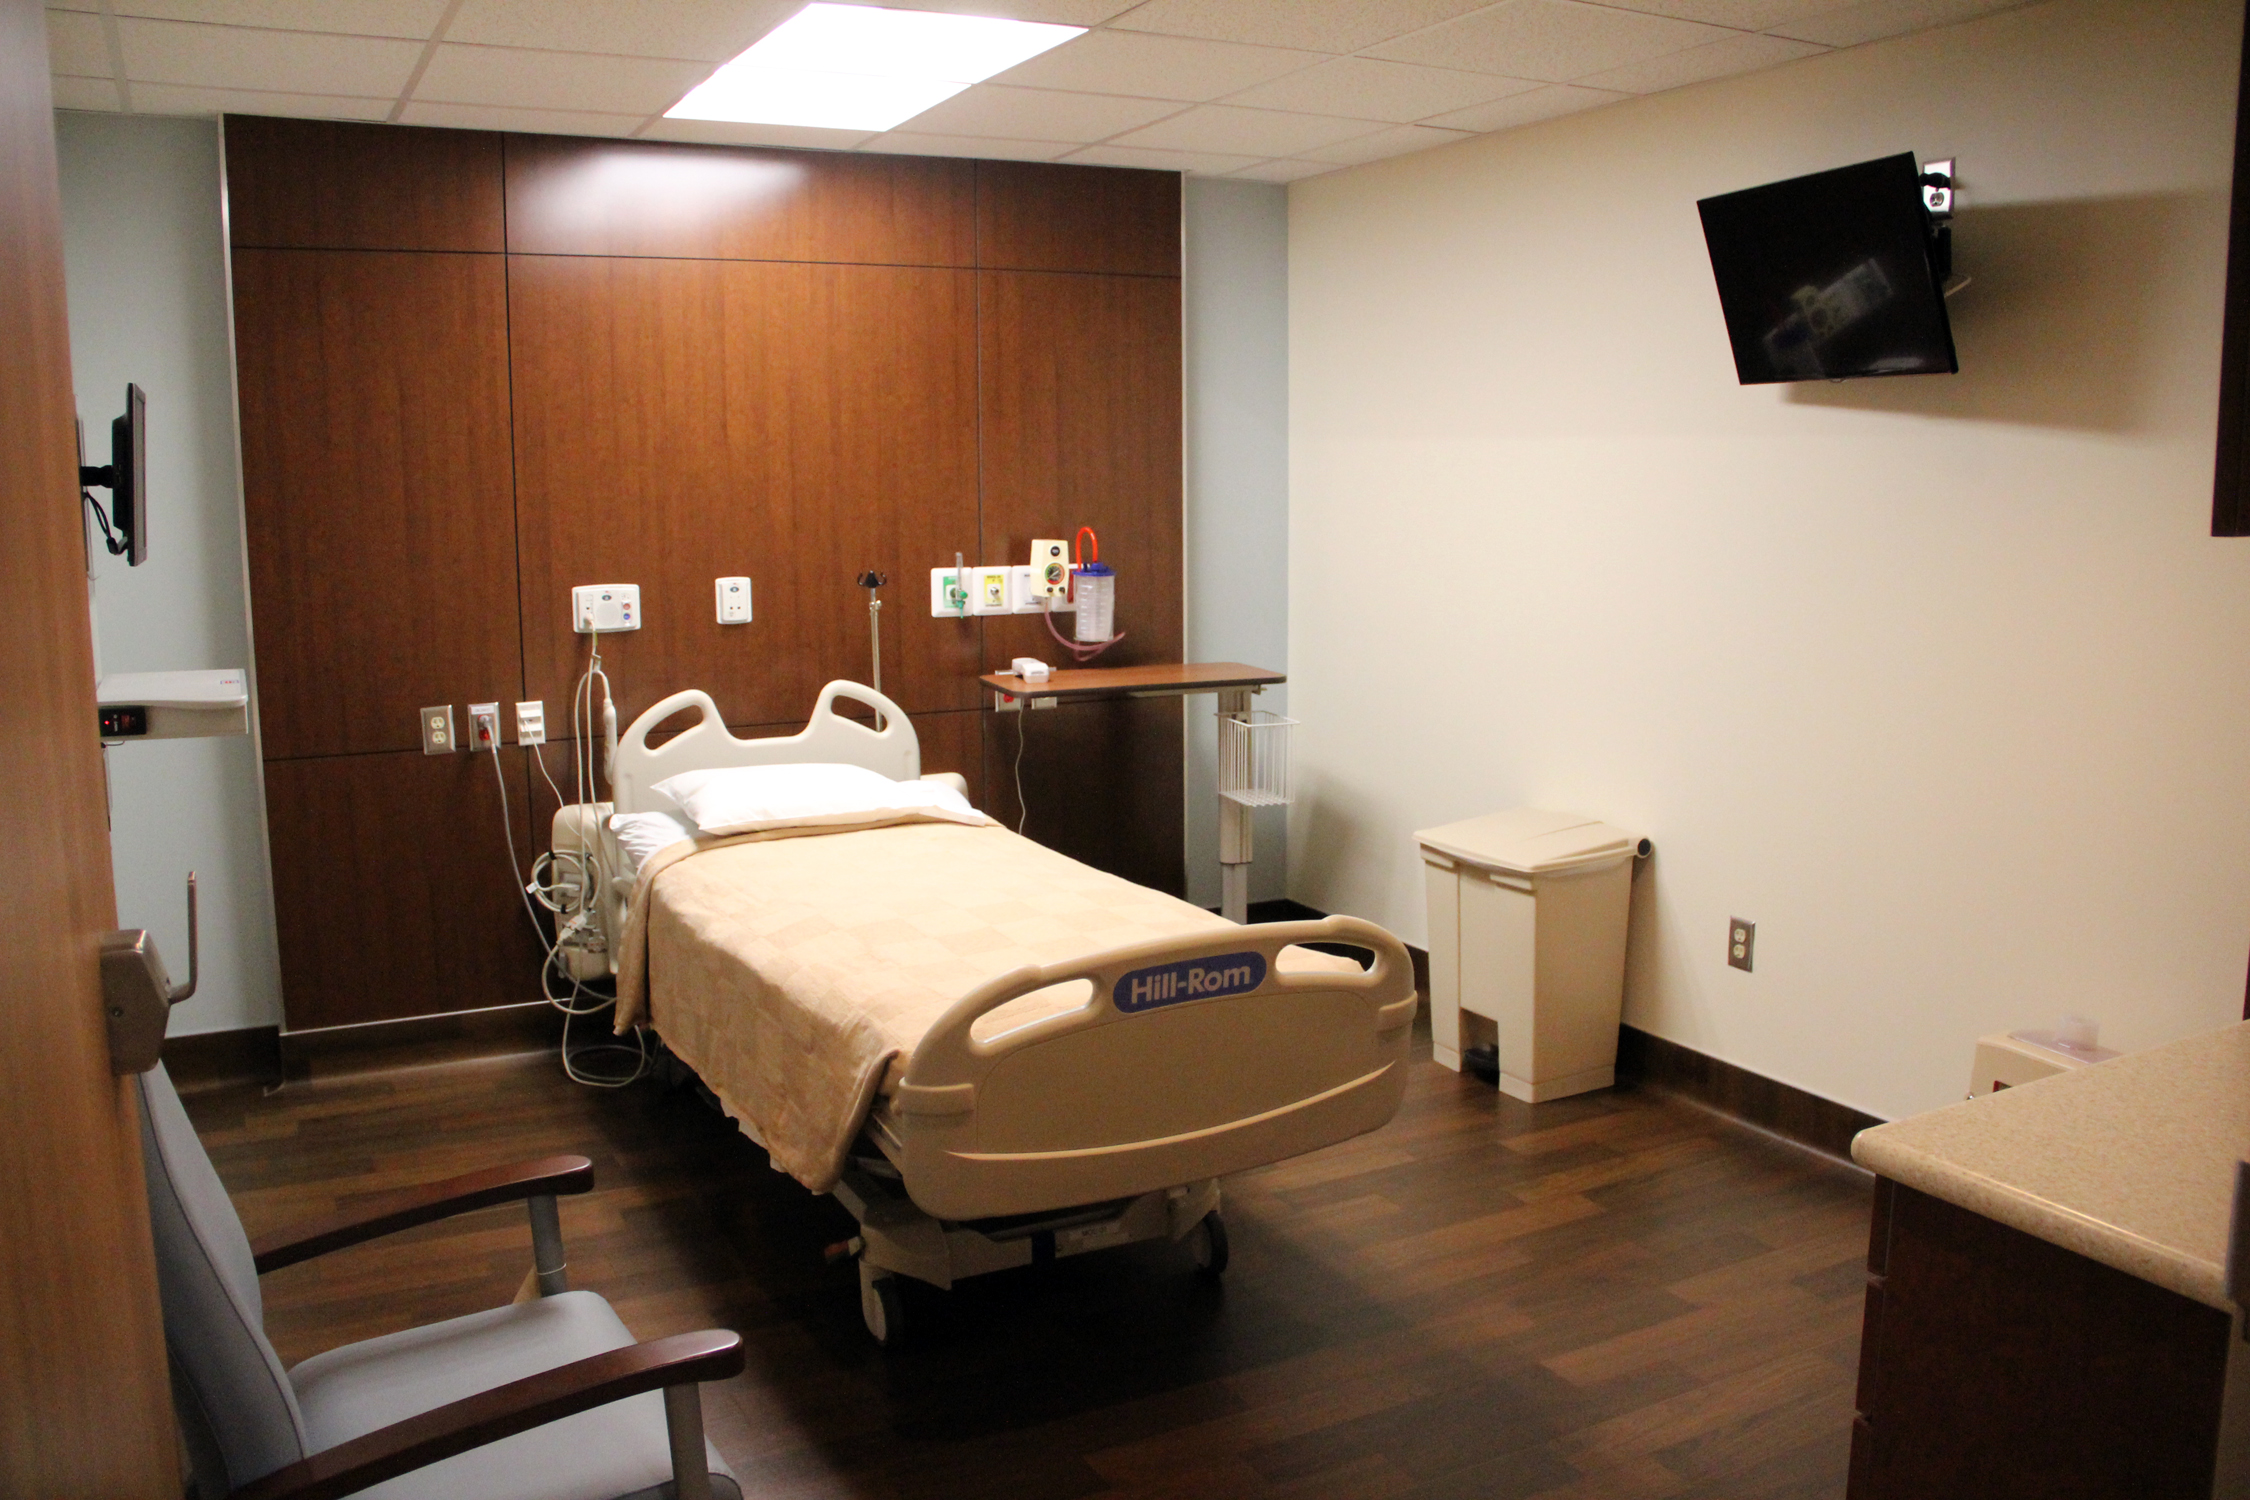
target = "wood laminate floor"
x: 1608, y: 1296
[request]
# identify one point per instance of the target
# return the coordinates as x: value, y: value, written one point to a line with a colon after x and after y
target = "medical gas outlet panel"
x: 1035, y: 588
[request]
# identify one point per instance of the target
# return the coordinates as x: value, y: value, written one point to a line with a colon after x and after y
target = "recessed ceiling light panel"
x: 859, y: 67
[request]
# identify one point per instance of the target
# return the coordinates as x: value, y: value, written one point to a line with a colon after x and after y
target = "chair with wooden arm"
x: 549, y: 1397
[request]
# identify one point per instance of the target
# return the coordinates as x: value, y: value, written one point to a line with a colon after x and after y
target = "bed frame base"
x: 896, y: 1238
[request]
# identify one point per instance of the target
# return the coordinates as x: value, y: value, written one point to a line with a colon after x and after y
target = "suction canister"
x: 1094, y: 591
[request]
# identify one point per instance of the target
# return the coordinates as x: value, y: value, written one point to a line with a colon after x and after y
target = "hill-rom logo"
x: 1190, y: 979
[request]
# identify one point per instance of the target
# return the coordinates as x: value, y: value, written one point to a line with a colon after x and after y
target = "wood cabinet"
x: 477, y: 369
x: 1996, y: 1365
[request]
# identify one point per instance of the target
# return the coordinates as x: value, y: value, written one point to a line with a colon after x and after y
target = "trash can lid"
x: 1528, y: 841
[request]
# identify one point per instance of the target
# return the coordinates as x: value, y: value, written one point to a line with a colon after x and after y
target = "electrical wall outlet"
x: 484, y: 726
x: 531, y: 723
x: 437, y: 730
x: 1742, y: 943
x: 949, y: 592
x: 989, y: 593
x: 734, y: 600
x: 606, y: 607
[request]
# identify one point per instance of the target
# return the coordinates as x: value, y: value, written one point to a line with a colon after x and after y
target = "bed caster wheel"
x: 1207, y: 1242
x: 882, y: 1308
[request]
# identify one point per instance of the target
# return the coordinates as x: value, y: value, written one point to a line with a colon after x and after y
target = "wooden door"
x: 84, y: 1408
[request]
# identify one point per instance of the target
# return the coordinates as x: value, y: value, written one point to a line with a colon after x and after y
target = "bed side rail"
x: 1189, y: 1059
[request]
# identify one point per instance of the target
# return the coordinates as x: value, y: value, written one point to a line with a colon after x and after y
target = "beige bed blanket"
x: 794, y: 974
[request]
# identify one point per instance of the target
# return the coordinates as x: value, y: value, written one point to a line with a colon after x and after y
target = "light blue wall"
x: 143, y: 250
x: 1237, y: 513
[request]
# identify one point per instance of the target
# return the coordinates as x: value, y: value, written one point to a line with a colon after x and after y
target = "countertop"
x: 2129, y: 1162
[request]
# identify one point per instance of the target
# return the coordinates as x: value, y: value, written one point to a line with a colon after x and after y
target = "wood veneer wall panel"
x: 391, y: 886
x: 381, y: 529
x: 677, y: 421
x: 84, y: 1406
x: 581, y: 197
x: 1103, y: 781
x: 325, y: 184
x: 1045, y: 216
x: 1080, y: 382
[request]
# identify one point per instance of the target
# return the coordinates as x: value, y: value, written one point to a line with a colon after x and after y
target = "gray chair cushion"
x: 234, y: 1398
x: 612, y: 1451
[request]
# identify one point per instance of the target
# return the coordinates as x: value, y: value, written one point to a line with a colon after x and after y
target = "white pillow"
x: 752, y: 799
x: 642, y: 834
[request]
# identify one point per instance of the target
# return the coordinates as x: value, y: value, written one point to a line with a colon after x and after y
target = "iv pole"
x: 871, y: 581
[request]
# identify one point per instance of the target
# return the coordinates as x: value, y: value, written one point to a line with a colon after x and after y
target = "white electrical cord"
x: 1023, y: 808
x: 579, y: 1001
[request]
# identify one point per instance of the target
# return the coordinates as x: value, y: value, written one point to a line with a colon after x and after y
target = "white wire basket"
x: 1254, y: 759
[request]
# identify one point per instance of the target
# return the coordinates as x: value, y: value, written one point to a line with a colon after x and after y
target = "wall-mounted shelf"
x: 173, y: 705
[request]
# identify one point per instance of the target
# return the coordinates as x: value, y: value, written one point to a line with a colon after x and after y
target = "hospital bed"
x: 990, y: 1053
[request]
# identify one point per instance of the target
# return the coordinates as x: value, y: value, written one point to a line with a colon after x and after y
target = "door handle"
x: 137, y: 994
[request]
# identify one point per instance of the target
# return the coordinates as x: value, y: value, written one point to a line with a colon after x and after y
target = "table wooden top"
x: 1153, y: 679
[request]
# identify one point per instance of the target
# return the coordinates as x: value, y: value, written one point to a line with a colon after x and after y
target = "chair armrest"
x: 503, y: 1411
x: 407, y: 1207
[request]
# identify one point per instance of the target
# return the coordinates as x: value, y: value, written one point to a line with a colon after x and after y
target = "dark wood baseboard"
x: 1780, y: 1109
x: 331, y: 1050
x: 218, y: 1059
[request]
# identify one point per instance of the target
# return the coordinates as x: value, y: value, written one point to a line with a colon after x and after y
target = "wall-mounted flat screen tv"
x: 1832, y: 276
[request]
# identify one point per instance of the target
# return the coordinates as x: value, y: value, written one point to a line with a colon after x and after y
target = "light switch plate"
x: 734, y: 600
x: 606, y: 607
x: 437, y: 730
x: 531, y: 723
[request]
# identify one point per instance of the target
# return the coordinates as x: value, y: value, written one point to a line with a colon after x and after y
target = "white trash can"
x: 1527, y: 929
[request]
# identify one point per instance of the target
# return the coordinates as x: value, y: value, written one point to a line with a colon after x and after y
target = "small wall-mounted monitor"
x: 1832, y: 276
x: 125, y: 476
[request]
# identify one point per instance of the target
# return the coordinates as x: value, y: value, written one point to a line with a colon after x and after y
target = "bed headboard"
x: 892, y: 751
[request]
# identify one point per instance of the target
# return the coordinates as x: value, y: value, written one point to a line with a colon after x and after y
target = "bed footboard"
x: 1190, y: 1059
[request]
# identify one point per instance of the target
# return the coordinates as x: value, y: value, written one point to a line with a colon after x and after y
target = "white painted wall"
x: 1940, y: 680
x: 1236, y: 350
x: 144, y: 256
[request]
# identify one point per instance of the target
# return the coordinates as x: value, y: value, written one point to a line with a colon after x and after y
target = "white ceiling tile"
x: 1202, y: 163
x: 1854, y: 24
x: 995, y: 109
x: 235, y: 57
x: 1743, y: 15
x: 1368, y: 89
x: 1523, y: 109
x: 1148, y: 66
x: 707, y: 30
x: 1394, y: 142
x: 544, y: 80
x: 403, y: 18
x: 178, y: 99
x: 1054, y: 12
x: 1745, y: 53
x: 730, y: 133
x: 1283, y: 169
x: 985, y: 148
x: 1551, y: 40
x: 1254, y: 133
x: 1315, y: 25
x: 85, y: 93
x: 77, y: 44
x: 531, y: 121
